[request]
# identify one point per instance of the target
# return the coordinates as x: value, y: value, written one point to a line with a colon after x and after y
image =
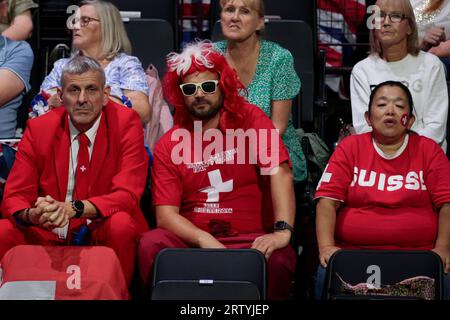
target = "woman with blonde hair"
x: 265, y: 68
x: 98, y: 32
x: 396, y: 55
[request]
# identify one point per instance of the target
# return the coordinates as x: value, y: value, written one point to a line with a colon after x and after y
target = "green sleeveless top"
x: 276, y: 79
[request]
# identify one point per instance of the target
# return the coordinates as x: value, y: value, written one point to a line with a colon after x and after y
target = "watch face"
x: 78, y: 205
x: 282, y: 225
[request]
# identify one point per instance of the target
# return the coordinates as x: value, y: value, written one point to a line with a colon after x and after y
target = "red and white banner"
x: 61, y: 273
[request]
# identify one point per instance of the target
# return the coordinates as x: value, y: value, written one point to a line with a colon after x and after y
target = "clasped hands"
x: 50, y: 213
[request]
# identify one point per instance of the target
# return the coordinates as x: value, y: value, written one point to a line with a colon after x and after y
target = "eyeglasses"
x: 84, y: 21
x: 208, y: 87
x: 395, y: 17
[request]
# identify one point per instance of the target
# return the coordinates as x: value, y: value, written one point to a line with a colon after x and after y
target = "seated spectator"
x: 80, y: 166
x: 266, y: 70
x: 396, y: 56
x: 433, y: 22
x: 16, y: 21
x: 16, y: 61
x: 98, y: 32
x: 388, y: 189
x: 213, y: 199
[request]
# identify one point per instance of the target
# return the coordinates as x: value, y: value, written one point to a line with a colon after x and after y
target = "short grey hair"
x: 79, y: 64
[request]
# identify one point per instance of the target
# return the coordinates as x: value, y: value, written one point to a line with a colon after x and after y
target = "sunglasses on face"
x: 208, y: 87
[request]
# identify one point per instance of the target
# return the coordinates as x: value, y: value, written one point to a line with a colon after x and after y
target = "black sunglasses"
x: 208, y: 87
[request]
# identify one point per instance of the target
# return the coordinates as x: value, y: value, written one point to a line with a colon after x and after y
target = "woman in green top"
x: 265, y: 68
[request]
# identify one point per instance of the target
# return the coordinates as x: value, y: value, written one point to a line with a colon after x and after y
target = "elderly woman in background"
x: 265, y: 68
x: 98, y: 32
x: 388, y: 189
x: 395, y: 55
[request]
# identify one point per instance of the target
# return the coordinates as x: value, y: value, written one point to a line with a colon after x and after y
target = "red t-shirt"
x: 387, y: 203
x: 224, y: 182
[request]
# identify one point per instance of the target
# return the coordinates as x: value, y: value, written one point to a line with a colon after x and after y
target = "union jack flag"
x: 194, y: 19
x: 338, y: 21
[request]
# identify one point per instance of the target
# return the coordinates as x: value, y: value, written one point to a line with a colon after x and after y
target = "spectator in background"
x: 396, y: 55
x: 433, y: 22
x: 80, y: 165
x: 214, y: 200
x: 338, y: 22
x: 16, y: 21
x: 16, y: 61
x: 265, y: 69
x: 385, y: 190
x: 194, y: 28
x: 98, y: 32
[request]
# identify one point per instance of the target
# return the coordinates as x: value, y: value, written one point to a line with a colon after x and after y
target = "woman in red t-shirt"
x: 386, y: 189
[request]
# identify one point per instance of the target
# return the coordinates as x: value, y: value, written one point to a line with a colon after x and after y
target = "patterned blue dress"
x: 124, y: 72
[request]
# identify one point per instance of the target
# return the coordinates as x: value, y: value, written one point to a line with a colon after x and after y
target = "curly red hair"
x: 200, y: 56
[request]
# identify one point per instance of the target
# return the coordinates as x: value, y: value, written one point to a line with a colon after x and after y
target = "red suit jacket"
x: 118, y: 166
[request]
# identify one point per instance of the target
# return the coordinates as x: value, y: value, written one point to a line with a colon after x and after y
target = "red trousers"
x: 117, y: 232
x: 280, y: 267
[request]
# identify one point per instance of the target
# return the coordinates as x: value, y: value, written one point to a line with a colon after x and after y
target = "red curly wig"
x: 200, y: 56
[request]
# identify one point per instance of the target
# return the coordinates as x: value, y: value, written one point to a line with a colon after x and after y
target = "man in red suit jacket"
x: 77, y: 166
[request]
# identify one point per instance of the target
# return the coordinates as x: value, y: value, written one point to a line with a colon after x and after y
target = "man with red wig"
x: 211, y: 169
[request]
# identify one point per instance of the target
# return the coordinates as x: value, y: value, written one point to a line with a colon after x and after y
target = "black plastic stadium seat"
x: 356, y: 266
x: 153, y: 9
x: 152, y: 40
x: 209, y: 274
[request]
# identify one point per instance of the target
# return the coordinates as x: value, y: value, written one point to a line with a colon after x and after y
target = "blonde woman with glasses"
x: 98, y: 32
x: 396, y: 55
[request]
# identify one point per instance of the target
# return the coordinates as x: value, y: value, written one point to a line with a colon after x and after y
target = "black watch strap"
x: 283, y: 225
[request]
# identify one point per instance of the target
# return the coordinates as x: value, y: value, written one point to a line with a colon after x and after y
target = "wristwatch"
x: 283, y: 225
x: 78, y: 207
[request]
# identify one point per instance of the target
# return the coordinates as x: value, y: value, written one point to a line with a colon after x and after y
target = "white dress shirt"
x: 74, y: 147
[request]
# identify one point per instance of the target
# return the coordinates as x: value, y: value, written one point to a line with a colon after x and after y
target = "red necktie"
x: 82, y: 172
